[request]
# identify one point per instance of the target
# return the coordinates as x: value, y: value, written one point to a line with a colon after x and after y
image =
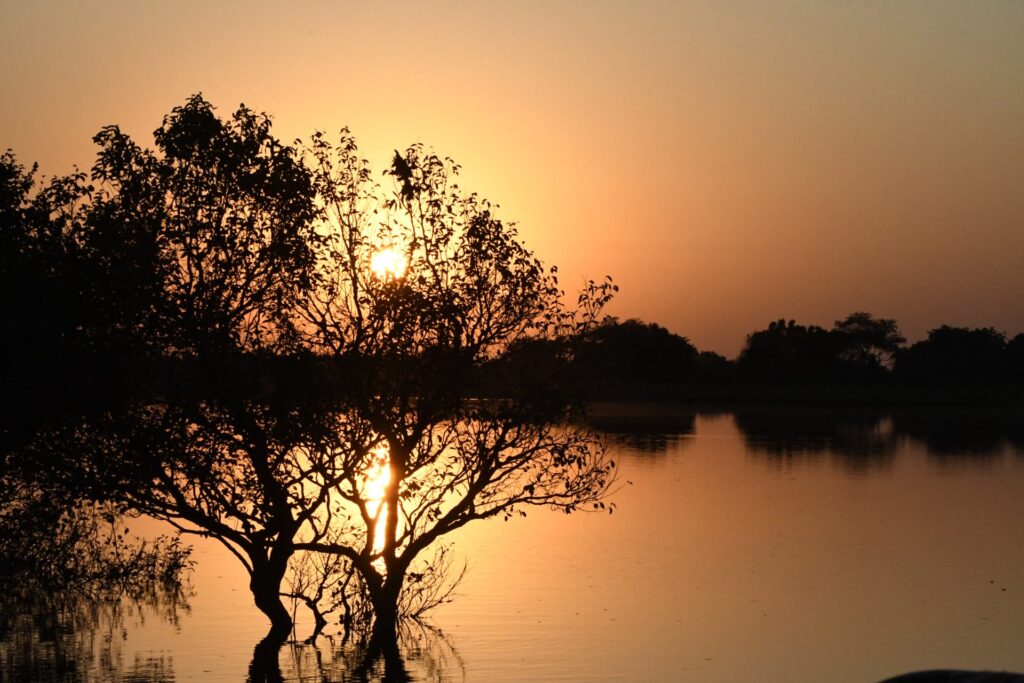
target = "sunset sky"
x: 727, y: 164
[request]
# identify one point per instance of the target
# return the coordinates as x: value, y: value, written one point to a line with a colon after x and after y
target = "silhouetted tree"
x: 1015, y: 358
x: 195, y: 255
x: 867, y: 345
x: 41, y: 278
x: 789, y: 353
x: 857, y: 349
x: 251, y: 475
x: 420, y: 289
x: 715, y: 369
x: 617, y: 359
x: 203, y: 243
x: 223, y: 246
x: 955, y: 355
x: 632, y: 356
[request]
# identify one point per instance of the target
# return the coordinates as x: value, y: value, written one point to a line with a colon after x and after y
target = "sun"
x: 388, y: 264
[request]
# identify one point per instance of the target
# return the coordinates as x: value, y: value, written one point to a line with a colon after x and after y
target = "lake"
x: 763, y: 545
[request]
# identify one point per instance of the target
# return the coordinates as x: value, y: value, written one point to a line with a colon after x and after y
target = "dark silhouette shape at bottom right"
x: 953, y: 676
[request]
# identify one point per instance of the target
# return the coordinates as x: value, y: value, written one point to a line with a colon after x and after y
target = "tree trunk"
x: 265, y: 584
x: 385, y: 614
x: 383, y: 644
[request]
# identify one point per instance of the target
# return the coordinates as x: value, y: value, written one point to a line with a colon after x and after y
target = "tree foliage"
x: 866, y: 343
x: 203, y: 242
x: 41, y: 275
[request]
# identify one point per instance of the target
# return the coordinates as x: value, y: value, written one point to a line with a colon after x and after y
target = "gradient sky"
x: 728, y: 164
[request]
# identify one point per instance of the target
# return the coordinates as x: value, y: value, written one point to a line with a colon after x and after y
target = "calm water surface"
x: 763, y: 546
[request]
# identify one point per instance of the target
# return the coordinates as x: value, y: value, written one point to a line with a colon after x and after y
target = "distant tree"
x: 955, y: 355
x: 633, y: 355
x: 715, y: 369
x: 1015, y: 357
x: 868, y: 342
x: 858, y: 348
x: 788, y: 352
x: 536, y: 370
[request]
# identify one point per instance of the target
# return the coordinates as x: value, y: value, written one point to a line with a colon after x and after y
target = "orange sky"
x: 728, y: 164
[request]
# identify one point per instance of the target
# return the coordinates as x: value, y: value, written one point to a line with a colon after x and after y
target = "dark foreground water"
x: 770, y: 545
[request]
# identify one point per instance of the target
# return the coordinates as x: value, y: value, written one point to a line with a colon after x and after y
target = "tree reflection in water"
x: 73, y: 584
x: 861, y: 441
x: 966, y: 436
x: 421, y: 653
x: 75, y: 641
x: 858, y: 440
x: 646, y: 428
x: 79, y: 637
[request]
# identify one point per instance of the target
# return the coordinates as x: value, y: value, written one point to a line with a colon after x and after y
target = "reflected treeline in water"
x: 857, y: 439
x: 652, y: 429
x: 963, y: 435
x: 866, y: 439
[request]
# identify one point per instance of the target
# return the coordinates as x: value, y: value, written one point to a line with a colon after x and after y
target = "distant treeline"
x: 861, y: 358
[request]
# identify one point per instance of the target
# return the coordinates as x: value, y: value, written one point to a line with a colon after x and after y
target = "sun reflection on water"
x: 378, y: 476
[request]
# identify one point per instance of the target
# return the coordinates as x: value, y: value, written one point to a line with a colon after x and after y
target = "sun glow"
x: 388, y: 264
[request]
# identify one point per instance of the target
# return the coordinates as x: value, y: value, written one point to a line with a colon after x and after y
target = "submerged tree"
x: 306, y: 353
x: 192, y: 256
x: 419, y: 290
